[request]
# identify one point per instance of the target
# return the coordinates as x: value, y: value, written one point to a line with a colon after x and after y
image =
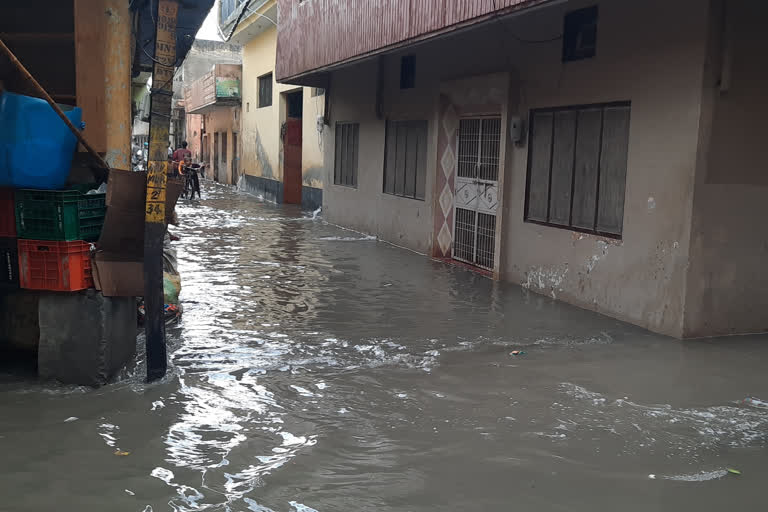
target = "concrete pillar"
x: 117, y: 82
x: 103, y: 70
x: 85, y: 338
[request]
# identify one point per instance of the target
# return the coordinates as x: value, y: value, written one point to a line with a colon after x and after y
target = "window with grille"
x: 346, y: 154
x: 265, y: 90
x: 405, y: 159
x: 577, y: 167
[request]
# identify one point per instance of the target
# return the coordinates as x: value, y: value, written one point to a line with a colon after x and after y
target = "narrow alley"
x: 317, y: 369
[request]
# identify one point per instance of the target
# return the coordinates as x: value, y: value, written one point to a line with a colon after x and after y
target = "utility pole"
x: 157, y: 177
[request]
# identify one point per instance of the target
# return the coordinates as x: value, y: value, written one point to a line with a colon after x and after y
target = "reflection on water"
x: 317, y: 369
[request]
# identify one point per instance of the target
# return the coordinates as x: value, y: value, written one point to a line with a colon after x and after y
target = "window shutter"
x: 540, y: 158
x: 562, y: 167
x: 613, y: 170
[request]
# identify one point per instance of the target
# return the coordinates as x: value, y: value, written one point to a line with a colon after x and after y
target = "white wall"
x: 650, y: 53
x: 727, y: 283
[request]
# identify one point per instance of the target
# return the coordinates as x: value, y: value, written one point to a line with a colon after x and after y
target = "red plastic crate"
x: 56, y: 266
x: 7, y: 213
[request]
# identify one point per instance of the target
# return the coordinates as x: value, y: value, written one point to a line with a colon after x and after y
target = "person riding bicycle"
x: 181, y: 153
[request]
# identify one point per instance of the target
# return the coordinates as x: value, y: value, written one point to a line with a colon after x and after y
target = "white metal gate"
x: 477, y: 191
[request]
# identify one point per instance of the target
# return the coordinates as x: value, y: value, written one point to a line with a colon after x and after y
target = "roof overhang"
x: 319, y: 77
x: 257, y: 17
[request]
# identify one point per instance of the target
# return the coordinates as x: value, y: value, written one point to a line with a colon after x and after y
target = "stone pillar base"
x: 85, y: 338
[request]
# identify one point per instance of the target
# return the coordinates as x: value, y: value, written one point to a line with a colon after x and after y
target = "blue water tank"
x: 36, y: 147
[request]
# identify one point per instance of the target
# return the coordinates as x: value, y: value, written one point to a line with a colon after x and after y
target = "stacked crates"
x: 43, y: 233
x: 9, y: 254
x: 54, y: 228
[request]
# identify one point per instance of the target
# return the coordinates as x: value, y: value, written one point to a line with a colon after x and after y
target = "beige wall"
x: 223, y: 120
x: 640, y: 278
x: 261, y: 144
x: 727, y: 281
x: 403, y: 221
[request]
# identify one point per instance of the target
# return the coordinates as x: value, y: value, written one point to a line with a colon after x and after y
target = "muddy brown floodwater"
x: 317, y: 369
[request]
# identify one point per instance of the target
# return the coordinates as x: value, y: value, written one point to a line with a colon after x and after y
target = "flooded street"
x: 317, y: 369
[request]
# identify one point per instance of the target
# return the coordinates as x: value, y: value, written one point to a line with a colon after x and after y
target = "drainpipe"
x: 117, y: 83
x: 161, y: 96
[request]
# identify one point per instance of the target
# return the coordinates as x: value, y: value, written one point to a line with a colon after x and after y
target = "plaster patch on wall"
x: 593, y: 260
x: 262, y: 159
x: 546, y: 278
x: 313, y: 177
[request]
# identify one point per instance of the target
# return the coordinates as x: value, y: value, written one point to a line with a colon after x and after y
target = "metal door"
x: 476, y: 197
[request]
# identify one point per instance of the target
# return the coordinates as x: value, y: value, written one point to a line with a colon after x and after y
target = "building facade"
x: 206, y: 111
x: 563, y: 146
x: 212, y: 104
x: 282, y: 143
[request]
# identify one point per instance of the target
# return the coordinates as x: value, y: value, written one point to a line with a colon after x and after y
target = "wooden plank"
x: 355, y: 156
x: 421, y: 159
x: 389, y: 162
x: 411, y: 156
x: 337, y: 155
x: 90, y: 66
x: 539, y: 163
x: 562, y: 167
x: 348, y: 148
x: 400, y: 163
x: 613, y: 170
x: 585, y: 177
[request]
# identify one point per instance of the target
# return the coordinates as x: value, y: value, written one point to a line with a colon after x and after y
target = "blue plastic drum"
x: 36, y: 147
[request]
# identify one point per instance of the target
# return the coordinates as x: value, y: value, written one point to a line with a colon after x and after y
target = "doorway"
x: 223, y: 175
x: 292, y: 137
x: 476, y: 198
x: 216, y: 138
x: 235, y: 159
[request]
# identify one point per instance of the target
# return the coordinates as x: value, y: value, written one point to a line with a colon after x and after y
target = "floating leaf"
x: 733, y: 471
x: 121, y: 453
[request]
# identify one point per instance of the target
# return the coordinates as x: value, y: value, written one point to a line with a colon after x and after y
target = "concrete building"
x: 197, y: 117
x: 282, y: 143
x: 212, y: 103
x: 604, y: 153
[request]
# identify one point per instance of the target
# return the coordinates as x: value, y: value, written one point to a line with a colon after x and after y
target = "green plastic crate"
x: 63, y: 215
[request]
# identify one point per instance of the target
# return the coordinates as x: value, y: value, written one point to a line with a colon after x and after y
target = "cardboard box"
x: 119, y: 262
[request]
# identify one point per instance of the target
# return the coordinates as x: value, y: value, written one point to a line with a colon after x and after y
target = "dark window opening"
x: 577, y: 167
x: 408, y: 72
x: 580, y: 34
x: 405, y: 159
x: 295, y: 104
x: 265, y: 90
x: 346, y: 154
